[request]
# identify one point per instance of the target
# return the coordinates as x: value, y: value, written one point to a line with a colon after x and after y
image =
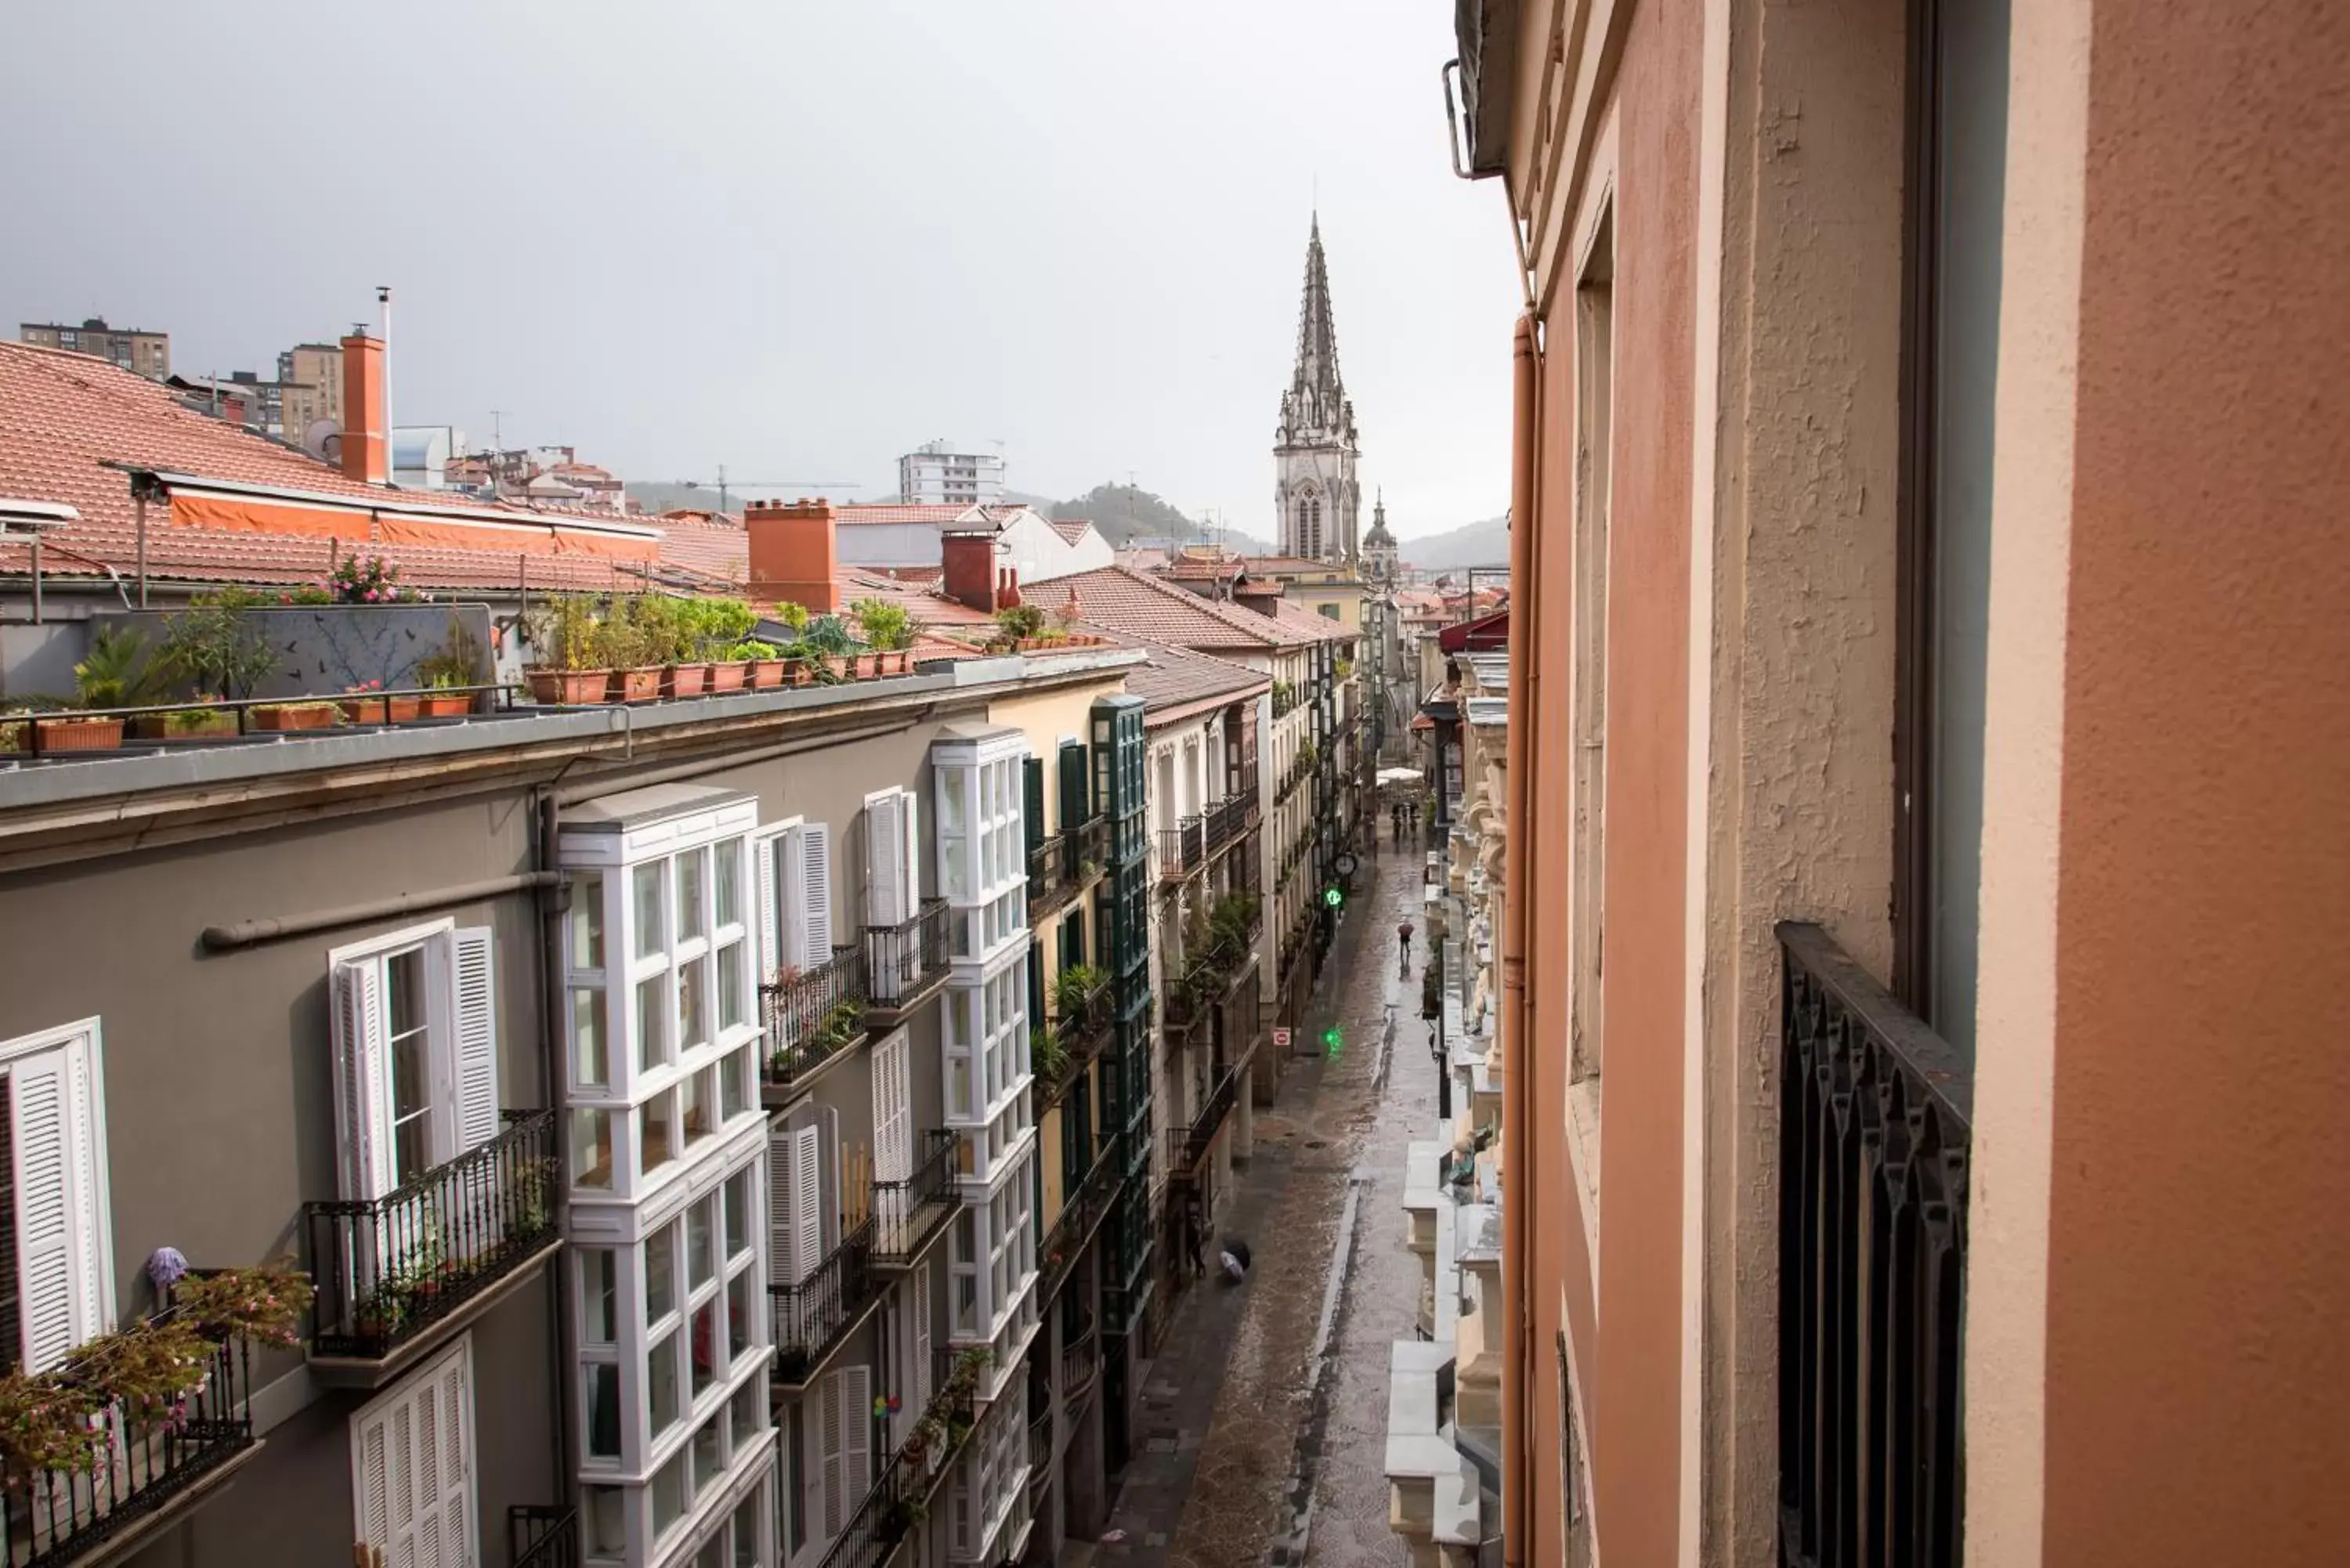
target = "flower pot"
x: 378, y: 709
x: 684, y: 680
x: 637, y: 685
x: 796, y: 673
x: 729, y: 676
x: 766, y: 674
x: 571, y: 688
x: 81, y: 734
x: 307, y: 716
x: 441, y: 704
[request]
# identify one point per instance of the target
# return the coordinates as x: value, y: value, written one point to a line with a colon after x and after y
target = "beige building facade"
x: 1940, y: 778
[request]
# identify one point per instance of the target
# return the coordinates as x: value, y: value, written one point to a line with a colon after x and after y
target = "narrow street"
x: 1263, y: 1418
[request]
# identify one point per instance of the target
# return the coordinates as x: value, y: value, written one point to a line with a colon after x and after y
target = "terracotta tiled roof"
x: 1187, y: 568
x: 1176, y: 679
x: 1141, y: 607
x: 1314, y: 624
x: 856, y: 516
x: 1072, y: 529
x: 64, y: 416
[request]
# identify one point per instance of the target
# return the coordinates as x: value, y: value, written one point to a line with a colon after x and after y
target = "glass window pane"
x: 646, y: 881
x: 750, y: 1413
x: 734, y: 1082
x: 604, y: 1410
x: 660, y: 1273
x: 591, y: 1062
x: 587, y: 921
x: 690, y: 919
x: 734, y: 996
x: 710, y: 1450
x: 652, y: 1049
x: 703, y: 1345
x: 606, y: 1521
x: 693, y: 1006
x: 668, y: 1494
x: 599, y: 1283
x: 746, y: 1535
x: 661, y: 1382
x: 727, y: 861
x: 697, y: 1096
x: 657, y: 1132
x: 591, y: 1148
x: 738, y: 1315
x: 403, y: 975
x: 738, y: 1213
x: 701, y: 1228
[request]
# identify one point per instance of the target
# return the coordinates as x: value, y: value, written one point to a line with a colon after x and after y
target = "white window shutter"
x: 60, y: 1278
x: 453, y: 1499
x: 857, y: 1435
x: 835, y: 1508
x: 807, y: 1203
x: 372, y: 1487
x: 412, y: 1476
x: 911, y: 857
x: 815, y: 869
x: 892, y: 1115
x: 475, y: 988
x: 362, y: 1118
x: 792, y: 900
x: 885, y: 846
x: 783, y: 1252
x: 763, y: 855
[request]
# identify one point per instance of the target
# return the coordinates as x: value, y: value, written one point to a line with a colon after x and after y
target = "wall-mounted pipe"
x: 278, y: 927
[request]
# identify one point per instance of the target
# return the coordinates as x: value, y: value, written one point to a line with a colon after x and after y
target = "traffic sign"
x: 1281, y: 1038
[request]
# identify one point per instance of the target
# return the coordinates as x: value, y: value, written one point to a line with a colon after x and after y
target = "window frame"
x: 96, y: 1313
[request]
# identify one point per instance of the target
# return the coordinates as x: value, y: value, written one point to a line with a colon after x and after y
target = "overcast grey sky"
x: 792, y: 237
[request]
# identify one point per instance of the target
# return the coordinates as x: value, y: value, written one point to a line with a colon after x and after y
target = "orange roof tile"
x: 1135, y: 605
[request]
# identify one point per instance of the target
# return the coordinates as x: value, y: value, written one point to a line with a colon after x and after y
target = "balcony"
x: 1081, y: 1365
x: 1228, y: 821
x: 1040, y: 1449
x: 908, y: 1215
x: 400, y: 1273
x: 1182, y: 850
x: 1080, y: 1218
x: 1876, y: 1113
x: 1050, y: 881
x: 812, y: 1317
x: 150, y: 1466
x: 814, y: 1017
x: 1080, y: 1033
x: 901, y: 1495
x: 1188, y: 1146
x: 905, y: 964
x: 542, y: 1537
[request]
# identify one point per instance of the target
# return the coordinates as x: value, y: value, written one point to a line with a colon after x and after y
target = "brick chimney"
x: 970, y: 576
x: 367, y: 445
x: 1007, y: 588
x: 793, y: 554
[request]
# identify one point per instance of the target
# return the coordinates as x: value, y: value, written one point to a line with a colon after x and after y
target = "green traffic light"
x: 1333, y: 1041
x: 1333, y: 896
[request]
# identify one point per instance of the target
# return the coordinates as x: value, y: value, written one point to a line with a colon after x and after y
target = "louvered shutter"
x: 372, y: 1486
x: 1032, y: 798
x: 765, y: 852
x: 450, y: 1480
x: 909, y: 856
x: 857, y: 1435
x: 362, y: 1118
x: 475, y: 990
x: 892, y: 1114
x: 411, y: 1483
x: 60, y: 1277
x: 885, y: 846
x: 782, y: 1250
x: 424, y: 1476
x: 835, y: 1436
x: 792, y: 905
x: 816, y: 889
x: 807, y: 1203
x: 1077, y: 804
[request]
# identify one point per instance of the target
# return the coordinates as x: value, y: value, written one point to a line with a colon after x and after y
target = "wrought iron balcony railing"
x: 1229, y: 820
x: 909, y: 1214
x: 1082, y: 1035
x: 904, y: 963
x: 1875, y: 1115
x: 542, y: 1537
x: 389, y: 1268
x: 1190, y: 1145
x: 143, y: 1463
x: 1049, y: 883
x: 812, y: 1315
x: 1182, y: 850
x: 1080, y: 1365
x: 1080, y: 1217
x: 814, y: 1014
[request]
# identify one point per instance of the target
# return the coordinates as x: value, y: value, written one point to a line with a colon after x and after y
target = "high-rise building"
x: 148, y: 354
x: 935, y: 474
x: 310, y: 376
x: 1314, y: 495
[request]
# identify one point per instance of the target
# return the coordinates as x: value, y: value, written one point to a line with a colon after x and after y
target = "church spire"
x: 1315, y: 408
x: 1315, y: 452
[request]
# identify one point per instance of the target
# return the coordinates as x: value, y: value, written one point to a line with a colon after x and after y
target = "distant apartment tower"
x: 148, y: 354
x: 936, y: 475
x: 310, y: 376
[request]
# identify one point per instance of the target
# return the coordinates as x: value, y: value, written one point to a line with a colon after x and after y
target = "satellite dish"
x: 324, y: 441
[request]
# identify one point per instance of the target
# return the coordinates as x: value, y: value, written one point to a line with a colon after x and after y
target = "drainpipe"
x: 1516, y: 1015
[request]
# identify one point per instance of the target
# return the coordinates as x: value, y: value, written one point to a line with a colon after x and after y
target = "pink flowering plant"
x: 368, y: 580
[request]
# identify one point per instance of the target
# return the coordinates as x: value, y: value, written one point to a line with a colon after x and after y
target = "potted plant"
x: 1020, y: 625
x: 306, y: 715
x: 625, y: 647
x: 1048, y: 1058
x: 899, y: 1516
x: 723, y: 626
x: 215, y: 644
x: 364, y: 704
x: 368, y: 580
x: 889, y: 628
x: 450, y: 672
x: 1075, y: 987
x: 827, y: 639
x: 204, y: 721
x: 114, y: 675
x: 670, y: 641
x: 567, y: 639
x: 762, y: 663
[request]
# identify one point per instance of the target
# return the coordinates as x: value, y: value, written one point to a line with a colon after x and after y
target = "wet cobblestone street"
x: 1263, y: 1421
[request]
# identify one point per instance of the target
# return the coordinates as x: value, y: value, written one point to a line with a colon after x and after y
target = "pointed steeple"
x: 1314, y: 411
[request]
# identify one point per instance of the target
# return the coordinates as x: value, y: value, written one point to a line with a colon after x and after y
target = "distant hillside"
x: 1485, y: 544
x: 1124, y: 512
